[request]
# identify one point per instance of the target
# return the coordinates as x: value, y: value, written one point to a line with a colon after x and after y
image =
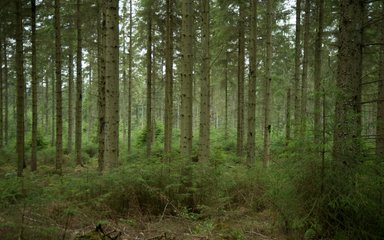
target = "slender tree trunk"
x: 53, y: 104
x: 267, y: 93
x: 130, y: 58
x: 149, y: 129
x: 112, y: 83
x: 79, y: 88
x: 59, y: 113
x: 304, y: 80
x: 297, y: 70
x: 34, y: 89
x: 345, y: 138
x: 168, y: 98
x: 186, y: 79
x: 20, y: 86
x: 5, y: 80
x: 70, y: 101
x: 251, y: 136
x: 380, y: 97
x: 288, y: 117
x: 240, y: 83
x: 318, y: 86
x: 226, y: 94
x: 1, y: 92
x: 90, y: 105
x: 101, y: 83
x: 205, y: 116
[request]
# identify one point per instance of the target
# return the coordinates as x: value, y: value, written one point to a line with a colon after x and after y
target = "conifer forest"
x: 191, y: 119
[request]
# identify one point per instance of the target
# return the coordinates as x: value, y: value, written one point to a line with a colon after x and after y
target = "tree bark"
x: 79, y: 88
x: 304, y: 80
x: 149, y: 130
x: 205, y: 116
x: 20, y: 89
x: 288, y: 117
x: 168, y: 104
x: 101, y: 84
x: 112, y: 83
x: 130, y: 80
x: 380, y: 97
x: 59, y: 116
x: 318, y: 86
x: 70, y: 101
x: 240, y: 82
x: 34, y: 88
x: 251, y: 136
x: 297, y: 69
x: 5, y: 80
x: 267, y: 90
x: 186, y: 79
x: 345, y: 139
x: 1, y: 91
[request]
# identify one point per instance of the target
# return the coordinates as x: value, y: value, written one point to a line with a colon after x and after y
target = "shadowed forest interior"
x: 191, y: 119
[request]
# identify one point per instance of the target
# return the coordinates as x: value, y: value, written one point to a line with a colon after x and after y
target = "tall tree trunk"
x: 288, y: 117
x: 130, y: 58
x: 226, y: 94
x: 168, y: 100
x: 34, y: 88
x: 20, y: 86
x: 53, y: 103
x: 112, y: 83
x: 380, y: 97
x: 101, y: 30
x: 345, y: 138
x: 304, y: 80
x: 79, y: 88
x: 297, y: 70
x: 59, y: 114
x: 251, y: 136
x: 46, y: 104
x: 267, y: 90
x: 70, y: 101
x: 318, y: 86
x: 149, y: 129
x: 240, y: 82
x: 5, y: 80
x: 186, y: 79
x: 1, y: 91
x: 205, y: 116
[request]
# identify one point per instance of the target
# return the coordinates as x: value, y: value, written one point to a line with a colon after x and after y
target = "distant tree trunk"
x: 186, y: 79
x: 34, y: 88
x: 130, y: 58
x: 297, y: 70
x: 53, y: 104
x: 205, y: 116
x: 20, y: 89
x: 304, y: 80
x: 251, y: 136
x: 59, y: 116
x: 380, y: 97
x: 5, y: 80
x: 318, y: 86
x: 267, y: 93
x: 79, y: 88
x: 240, y: 82
x: 168, y: 98
x: 226, y: 94
x: 149, y: 129
x: 112, y: 83
x: 70, y: 101
x: 345, y: 139
x: 288, y: 117
x: 101, y: 30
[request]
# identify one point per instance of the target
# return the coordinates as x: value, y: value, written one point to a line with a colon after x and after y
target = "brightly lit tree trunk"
x: 112, y: 83
x: 130, y: 80
x: 186, y: 79
x: 204, y: 141
x: 251, y: 135
x: 149, y: 130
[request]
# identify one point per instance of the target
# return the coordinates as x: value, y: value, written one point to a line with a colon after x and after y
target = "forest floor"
x: 44, y: 205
